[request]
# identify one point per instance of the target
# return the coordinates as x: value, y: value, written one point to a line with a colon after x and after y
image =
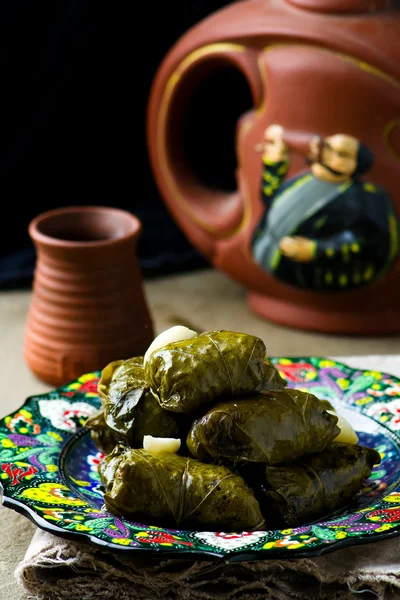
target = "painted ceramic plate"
x: 48, y: 471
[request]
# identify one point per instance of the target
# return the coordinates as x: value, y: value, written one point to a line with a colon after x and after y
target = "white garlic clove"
x: 154, y: 445
x: 347, y: 434
x: 173, y: 334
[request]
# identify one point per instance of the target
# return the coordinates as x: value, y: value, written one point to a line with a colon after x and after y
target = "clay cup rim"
x: 84, y: 226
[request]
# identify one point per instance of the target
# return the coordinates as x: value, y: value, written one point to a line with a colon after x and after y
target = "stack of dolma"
x: 254, y: 453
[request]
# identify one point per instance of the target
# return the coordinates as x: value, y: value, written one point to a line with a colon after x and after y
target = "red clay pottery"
x: 88, y: 306
x: 312, y: 229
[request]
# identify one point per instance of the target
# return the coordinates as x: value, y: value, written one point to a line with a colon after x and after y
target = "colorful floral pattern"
x: 48, y: 467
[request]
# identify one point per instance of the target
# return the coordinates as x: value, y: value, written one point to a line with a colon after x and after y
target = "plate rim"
x: 189, y: 555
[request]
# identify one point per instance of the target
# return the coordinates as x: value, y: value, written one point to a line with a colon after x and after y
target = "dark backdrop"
x: 75, y: 82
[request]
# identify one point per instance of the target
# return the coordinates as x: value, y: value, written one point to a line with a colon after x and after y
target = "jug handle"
x: 207, y: 214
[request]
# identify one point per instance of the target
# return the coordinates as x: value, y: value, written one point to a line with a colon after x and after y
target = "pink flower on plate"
x: 95, y: 460
x: 232, y: 536
x: 386, y: 412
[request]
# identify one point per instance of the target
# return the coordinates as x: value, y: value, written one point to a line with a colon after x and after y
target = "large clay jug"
x: 88, y: 306
x: 312, y: 229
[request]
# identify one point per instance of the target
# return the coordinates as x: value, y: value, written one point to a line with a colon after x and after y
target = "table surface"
x: 203, y: 300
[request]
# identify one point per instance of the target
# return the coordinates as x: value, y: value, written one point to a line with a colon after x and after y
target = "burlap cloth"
x: 56, y: 569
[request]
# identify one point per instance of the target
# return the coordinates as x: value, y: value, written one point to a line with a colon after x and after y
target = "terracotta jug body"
x: 312, y: 229
x: 88, y: 306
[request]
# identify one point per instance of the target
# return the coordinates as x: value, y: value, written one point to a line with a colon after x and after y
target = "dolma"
x: 177, y: 491
x: 186, y: 375
x: 130, y: 410
x: 318, y: 485
x: 100, y: 433
x: 273, y: 427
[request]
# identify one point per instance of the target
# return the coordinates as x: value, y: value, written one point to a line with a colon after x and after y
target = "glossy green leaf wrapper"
x: 101, y: 434
x: 273, y: 427
x: 186, y: 375
x: 316, y: 486
x: 177, y: 490
x: 131, y: 411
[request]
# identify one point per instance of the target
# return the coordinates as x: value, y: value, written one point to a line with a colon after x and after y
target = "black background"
x: 75, y: 84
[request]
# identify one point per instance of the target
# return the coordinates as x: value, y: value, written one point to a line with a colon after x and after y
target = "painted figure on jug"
x: 327, y: 228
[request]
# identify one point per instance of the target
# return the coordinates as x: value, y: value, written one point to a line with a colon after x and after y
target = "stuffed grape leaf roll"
x: 130, y: 410
x: 186, y: 375
x: 101, y: 434
x: 177, y: 491
x: 316, y: 486
x: 273, y: 427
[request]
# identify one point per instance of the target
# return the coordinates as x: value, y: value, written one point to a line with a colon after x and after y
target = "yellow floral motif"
x: 268, y: 545
x: 6, y: 443
x: 25, y: 413
x: 79, y: 482
x: 267, y: 190
x: 374, y: 374
x: 87, y: 377
x: 52, y: 468
x: 340, y: 535
x: 282, y: 169
x: 23, y: 430
x: 122, y: 541
x: 55, y: 435
x: 343, y: 383
x: 80, y: 527
x: 385, y: 527
x: 362, y: 401
x: 287, y: 531
x: 285, y: 361
x: 294, y: 546
x: 74, y: 386
x: 53, y: 493
x: 311, y: 375
x: 376, y: 386
x: 326, y: 363
x: 393, y: 498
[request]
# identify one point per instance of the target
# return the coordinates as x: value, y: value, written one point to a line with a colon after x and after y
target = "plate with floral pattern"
x: 48, y: 472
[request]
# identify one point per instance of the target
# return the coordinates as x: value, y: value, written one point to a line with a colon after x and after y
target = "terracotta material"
x: 88, y: 306
x: 313, y: 67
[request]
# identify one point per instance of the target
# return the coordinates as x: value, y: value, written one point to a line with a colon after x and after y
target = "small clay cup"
x: 88, y: 306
